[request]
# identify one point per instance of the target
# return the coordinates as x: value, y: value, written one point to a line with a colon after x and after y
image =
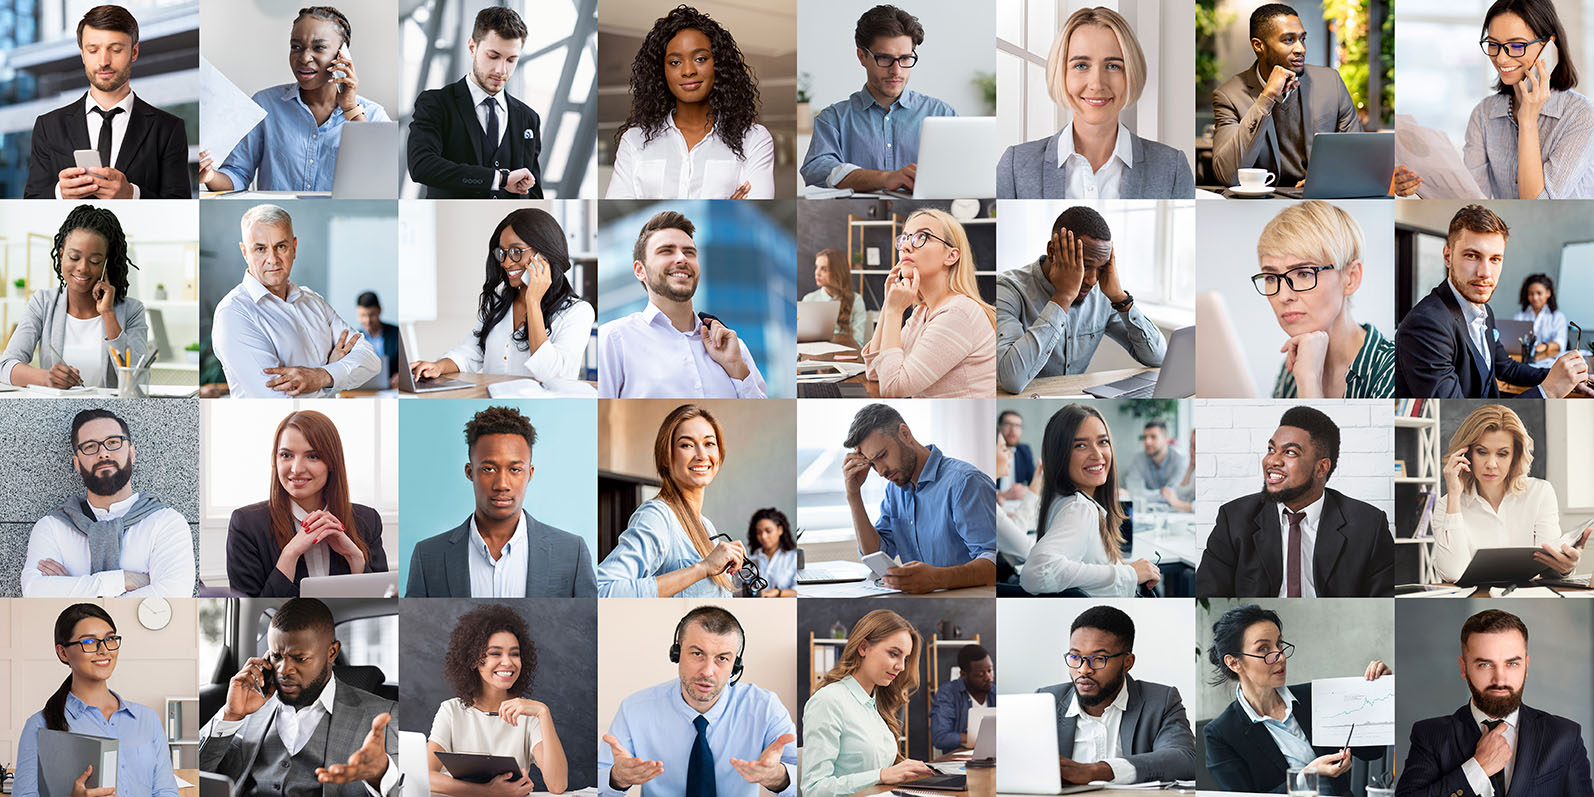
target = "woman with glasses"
x: 1079, y: 542
x: 947, y: 348
x: 529, y: 321
x: 1530, y: 138
x: 1549, y: 323
x: 1311, y: 265
x: 1096, y: 70
x: 87, y: 324
x: 774, y: 553
x: 668, y: 547
x: 1266, y: 729
x: 87, y: 642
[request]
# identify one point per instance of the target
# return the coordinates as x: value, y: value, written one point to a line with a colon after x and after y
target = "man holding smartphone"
x: 108, y: 144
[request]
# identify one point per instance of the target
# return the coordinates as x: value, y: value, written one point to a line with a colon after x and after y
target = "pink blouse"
x: 949, y: 352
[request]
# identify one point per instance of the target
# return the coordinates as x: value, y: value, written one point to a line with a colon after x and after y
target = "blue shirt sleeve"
x: 825, y: 151
x: 974, y: 513
x: 777, y: 724
x: 886, y: 525
x: 27, y: 772
x: 620, y: 729
x: 244, y: 160
x: 632, y: 568
x: 944, y: 731
x: 153, y: 733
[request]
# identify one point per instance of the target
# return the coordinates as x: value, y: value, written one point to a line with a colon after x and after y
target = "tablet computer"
x: 478, y: 768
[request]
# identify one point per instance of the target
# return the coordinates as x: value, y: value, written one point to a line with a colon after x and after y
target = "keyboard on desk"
x: 831, y: 390
x: 1144, y: 391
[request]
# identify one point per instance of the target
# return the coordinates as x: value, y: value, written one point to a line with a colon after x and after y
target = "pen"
x: 1349, y: 735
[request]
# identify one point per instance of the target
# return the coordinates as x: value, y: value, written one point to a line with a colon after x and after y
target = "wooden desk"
x: 190, y: 776
x: 479, y: 391
x: 982, y: 783
x: 1071, y: 385
x: 854, y: 354
x: 961, y: 592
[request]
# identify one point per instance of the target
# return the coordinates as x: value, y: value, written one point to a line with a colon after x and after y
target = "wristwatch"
x: 1129, y: 299
x: 503, y: 179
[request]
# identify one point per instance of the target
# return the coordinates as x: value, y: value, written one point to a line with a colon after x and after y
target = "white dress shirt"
x: 1473, y: 770
x: 666, y: 168
x: 1104, y: 183
x: 559, y: 358
x: 479, y: 95
x: 504, y: 577
x: 1530, y: 517
x: 1314, y: 514
x: 84, y: 349
x: 160, y: 545
x: 1071, y: 556
x: 1097, y: 739
x: 1477, y: 326
x: 318, y: 558
x: 118, y: 131
x: 254, y: 330
x: 643, y: 355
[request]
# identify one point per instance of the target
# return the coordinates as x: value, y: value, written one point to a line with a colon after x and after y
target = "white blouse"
x: 559, y: 358
x: 85, y: 349
x: 459, y: 729
x: 665, y: 168
x: 1529, y: 517
x: 1071, y: 556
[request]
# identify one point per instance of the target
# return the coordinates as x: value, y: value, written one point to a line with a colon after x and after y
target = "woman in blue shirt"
x: 668, y: 548
x: 295, y: 148
x: 86, y: 640
x: 774, y: 551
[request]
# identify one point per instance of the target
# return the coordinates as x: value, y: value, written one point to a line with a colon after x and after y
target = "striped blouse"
x: 1371, y: 374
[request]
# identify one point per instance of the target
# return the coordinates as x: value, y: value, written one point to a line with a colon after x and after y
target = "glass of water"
x: 1300, y: 782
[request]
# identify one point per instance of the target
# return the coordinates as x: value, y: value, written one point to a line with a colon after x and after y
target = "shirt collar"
x: 1553, y: 107
x: 851, y: 686
x: 126, y: 103
x: 299, y: 513
x: 1120, y: 703
x: 326, y: 701
x: 1472, y: 312
x: 515, y: 540
x: 1284, y: 692
x: 1478, y: 716
x: 477, y: 94
x: 1314, y: 513
x: 116, y: 510
x: 714, y: 713
x: 256, y: 290
x: 1123, y: 148
x: 653, y: 316
x: 932, y: 466
x: 77, y: 708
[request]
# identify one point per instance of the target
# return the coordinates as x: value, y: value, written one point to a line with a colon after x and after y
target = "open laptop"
x: 1221, y: 367
x: 1027, y: 738
x: 1176, y: 378
x: 1511, y: 333
x: 1349, y: 166
x: 412, y: 761
x: 957, y: 158
x: 984, y: 736
x: 368, y: 153
x: 408, y: 384
x: 816, y: 321
x: 355, y: 585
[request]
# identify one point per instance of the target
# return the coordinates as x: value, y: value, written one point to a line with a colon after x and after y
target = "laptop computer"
x: 816, y: 321
x: 1221, y: 367
x: 156, y: 319
x: 355, y: 585
x: 1350, y: 166
x: 957, y: 158
x: 408, y: 384
x: 413, y: 763
x: 1511, y: 333
x: 368, y: 162
x: 1176, y: 378
x: 1027, y: 738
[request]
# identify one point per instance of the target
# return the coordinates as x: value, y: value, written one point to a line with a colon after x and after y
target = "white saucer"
x: 1243, y: 191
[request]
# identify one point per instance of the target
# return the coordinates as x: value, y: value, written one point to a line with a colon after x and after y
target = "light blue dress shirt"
x: 653, y: 543
x: 656, y: 724
x: 504, y: 577
x: 781, y: 571
x: 291, y: 152
x: 860, y: 133
x: 143, y: 765
x: 947, y: 519
x: 1286, y: 733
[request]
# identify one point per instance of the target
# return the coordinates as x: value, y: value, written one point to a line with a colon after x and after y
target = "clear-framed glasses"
x: 748, y: 575
x: 1300, y: 278
x: 514, y: 253
x: 1285, y: 651
x: 1514, y: 49
x: 89, y: 448
x: 90, y: 644
x: 1096, y: 662
x: 917, y: 240
x: 885, y: 61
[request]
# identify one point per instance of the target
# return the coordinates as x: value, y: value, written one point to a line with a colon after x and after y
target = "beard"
x: 660, y: 284
x: 109, y: 484
x: 1104, y: 694
x: 1287, y: 494
x: 310, y: 692
x: 1496, y: 705
x: 910, y: 464
x: 118, y: 79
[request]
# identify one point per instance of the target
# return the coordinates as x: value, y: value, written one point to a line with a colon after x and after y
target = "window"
x: 1153, y: 243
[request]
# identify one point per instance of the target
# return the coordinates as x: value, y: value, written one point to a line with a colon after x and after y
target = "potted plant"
x: 805, y: 120
x: 160, y: 291
x: 21, y: 283
x: 191, y: 353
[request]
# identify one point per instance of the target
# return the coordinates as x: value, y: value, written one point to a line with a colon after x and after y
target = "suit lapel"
x: 1054, y: 181
x: 462, y: 103
x: 1134, y: 176
x: 1269, y: 131
x: 1485, y: 376
x: 456, y: 561
x: 1330, y: 541
x: 1307, y: 117
x: 346, y: 730
x: 1066, y: 725
x: 1265, y: 537
x: 254, y: 732
x: 1130, y: 719
x: 77, y: 124
x: 536, y: 556
x: 1527, y: 752
x: 139, y: 123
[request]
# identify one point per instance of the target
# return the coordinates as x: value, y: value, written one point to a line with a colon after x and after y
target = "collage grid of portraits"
x: 680, y: 400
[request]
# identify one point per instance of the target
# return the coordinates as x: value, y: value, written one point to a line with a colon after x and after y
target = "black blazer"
x: 557, y: 566
x: 1550, y: 758
x: 1242, y: 756
x: 445, y: 144
x: 252, y: 552
x: 1434, y: 356
x: 1353, y: 557
x: 390, y: 338
x: 154, y: 153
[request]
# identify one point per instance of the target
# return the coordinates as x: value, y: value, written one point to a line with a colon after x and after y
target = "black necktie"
x: 700, y: 771
x: 1497, y: 780
x: 491, y: 146
x: 105, y: 133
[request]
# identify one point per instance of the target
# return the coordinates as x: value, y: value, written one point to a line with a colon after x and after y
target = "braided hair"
x: 732, y: 102
x: 331, y: 15
x: 103, y: 223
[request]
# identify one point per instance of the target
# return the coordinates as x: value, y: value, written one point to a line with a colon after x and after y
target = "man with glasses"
x: 112, y: 541
x: 870, y: 141
x: 1100, y: 699
x: 1447, y: 345
x: 1053, y: 313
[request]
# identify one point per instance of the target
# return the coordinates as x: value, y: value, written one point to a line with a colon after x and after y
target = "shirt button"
x: 888, y: 146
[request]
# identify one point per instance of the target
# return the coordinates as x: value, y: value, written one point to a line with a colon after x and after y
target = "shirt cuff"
x: 390, y: 779
x: 1054, y: 315
x: 496, y: 174
x: 110, y: 583
x: 840, y: 173
x: 137, y: 194
x: 1122, y: 770
x: 224, y: 727
x: 1476, y: 779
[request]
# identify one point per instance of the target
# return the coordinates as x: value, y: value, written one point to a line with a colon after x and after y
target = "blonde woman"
x: 1078, y: 544
x: 1490, y: 501
x: 851, y: 722
x: 669, y: 548
x: 1310, y: 257
x: 834, y: 277
x: 1096, y: 70
x: 947, y: 349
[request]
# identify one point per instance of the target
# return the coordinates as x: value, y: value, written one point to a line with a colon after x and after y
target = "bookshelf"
x: 937, y: 645
x: 1417, y: 436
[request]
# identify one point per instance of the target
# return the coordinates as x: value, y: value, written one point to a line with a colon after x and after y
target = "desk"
x: 190, y: 776
x: 817, y: 591
x: 478, y: 391
x: 1072, y: 384
x: 249, y: 194
x: 981, y: 783
x: 1483, y: 592
x: 854, y: 354
x: 1173, y: 546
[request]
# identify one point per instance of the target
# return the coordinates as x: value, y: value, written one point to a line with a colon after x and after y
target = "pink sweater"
x: 949, y: 352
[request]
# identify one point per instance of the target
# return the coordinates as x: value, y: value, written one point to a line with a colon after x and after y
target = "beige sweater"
x: 949, y: 352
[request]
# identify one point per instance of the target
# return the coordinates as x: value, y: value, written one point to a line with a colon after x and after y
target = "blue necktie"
x: 700, y: 772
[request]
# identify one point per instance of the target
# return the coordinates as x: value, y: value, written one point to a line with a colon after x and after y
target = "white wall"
x: 957, y: 43
x: 248, y: 42
x: 1165, y: 635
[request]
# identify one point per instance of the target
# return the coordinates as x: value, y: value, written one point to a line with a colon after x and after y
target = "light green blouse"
x: 860, y: 316
x: 845, y: 741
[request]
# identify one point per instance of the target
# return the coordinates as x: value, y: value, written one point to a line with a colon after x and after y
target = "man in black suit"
x: 470, y: 139
x: 142, y: 149
x: 1494, y: 746
x: 1447, y: 346
x: 384, y: 337
x: 1298, y: 538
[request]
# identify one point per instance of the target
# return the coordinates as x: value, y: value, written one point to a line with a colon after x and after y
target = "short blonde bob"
x: 1314, y: 230
x: 1134, y: 59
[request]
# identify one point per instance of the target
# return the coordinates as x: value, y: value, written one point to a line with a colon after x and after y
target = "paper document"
x: 819, y: 348
x: 1522, y: 592
x: 1430, y: 153
x: 1339, y: 703
x: 851, y: 589
x: 531, y: 388
x: 821, y: 192
x: 226, y: 114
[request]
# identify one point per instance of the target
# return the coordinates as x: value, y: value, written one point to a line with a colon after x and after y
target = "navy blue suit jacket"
x: 1435, y: 358
x: 1550, y: 757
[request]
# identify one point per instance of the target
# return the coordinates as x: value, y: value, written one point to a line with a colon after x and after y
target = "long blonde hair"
x: 1495, y: 418
x: 874, y: 628
x: 670, y: 492
x: 840, y: 284
x: 961, y: 278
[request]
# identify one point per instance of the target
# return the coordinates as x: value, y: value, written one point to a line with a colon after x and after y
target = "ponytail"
x: 55, y: 707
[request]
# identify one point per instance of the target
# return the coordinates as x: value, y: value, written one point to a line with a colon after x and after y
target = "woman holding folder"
x: 86, y: 325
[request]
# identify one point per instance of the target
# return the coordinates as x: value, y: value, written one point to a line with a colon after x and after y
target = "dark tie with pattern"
x: 105, y: 133
x: 700, y: 771
x: 490, y: 146
x: 1292, y: 558
x: 1497, y: 780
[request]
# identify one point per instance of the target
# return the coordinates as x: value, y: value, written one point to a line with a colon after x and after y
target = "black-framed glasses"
x: 1096, y: 662
x: 748, y: 575
x: 90, y: 644
x: 89, y: 448
x: 514, y: 253
x: 885, y: 61
x: 1300, y: 278
x: 917, y: 240
x: 1285, y: 651
x: 1514, y: 49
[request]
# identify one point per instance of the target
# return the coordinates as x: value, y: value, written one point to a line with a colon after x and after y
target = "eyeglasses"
x: 514, y: 253
x: 1285, y: 651
x: 917, y: 240
x: 90, y: 644
x: 1096, y: 662
x: 1302, y: 278
x: 1513, y: 49
x: 89, y: 448
x: 885, y: 61
x: 748, y: 575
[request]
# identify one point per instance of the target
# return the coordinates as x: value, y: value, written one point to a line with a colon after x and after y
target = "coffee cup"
x: 1256, y: 179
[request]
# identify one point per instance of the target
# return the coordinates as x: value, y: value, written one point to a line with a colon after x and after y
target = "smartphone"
x: 1551, y: 56
x: 343, y: 52
x: 268, y: 682
x: 879, y: 563
x: 87, y: 158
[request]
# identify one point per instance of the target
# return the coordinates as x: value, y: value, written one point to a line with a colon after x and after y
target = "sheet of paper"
x: 821, y: 192
x: 1430, y: 153
x: 1522, y: 592
x: 531, y: 388
x: 851, y: 589
x: 819, y: 348
x: 1339, y: 703
x: 226, y: 114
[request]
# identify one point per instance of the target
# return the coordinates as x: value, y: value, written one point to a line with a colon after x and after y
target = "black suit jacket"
x: 1435, y: 358
x: 390, y: 339
x: 252, y: 552
x: 1550, y: 757
x: 445, y: 144
x: 557, y: 565
x: 154, y: 153
x: 1353, y: 556
x: 1242, y: 756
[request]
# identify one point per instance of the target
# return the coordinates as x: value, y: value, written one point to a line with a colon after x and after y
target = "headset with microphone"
x: 675, y: 649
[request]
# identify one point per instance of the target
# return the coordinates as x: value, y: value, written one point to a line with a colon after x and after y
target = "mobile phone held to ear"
x: 1551, y: 56
x: 343, y: 52
x: 87, y: 158
x: 268, y: 682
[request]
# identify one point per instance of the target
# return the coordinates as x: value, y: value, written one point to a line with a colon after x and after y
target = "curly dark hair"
x: 499, y: 420
x: 467, y: 649
x: 545, y: 237
x: 1538, y: 279
x: 103, y: 223
x: 773, y: 515
x: 732, y: 102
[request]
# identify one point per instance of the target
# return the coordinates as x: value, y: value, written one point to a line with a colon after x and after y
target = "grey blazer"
x: 558, y: 564
x: 43, y: 327
x: 1241, y: 128
x: 1154, y: 734
x: 1029, y: 171
x: 352, y: 712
